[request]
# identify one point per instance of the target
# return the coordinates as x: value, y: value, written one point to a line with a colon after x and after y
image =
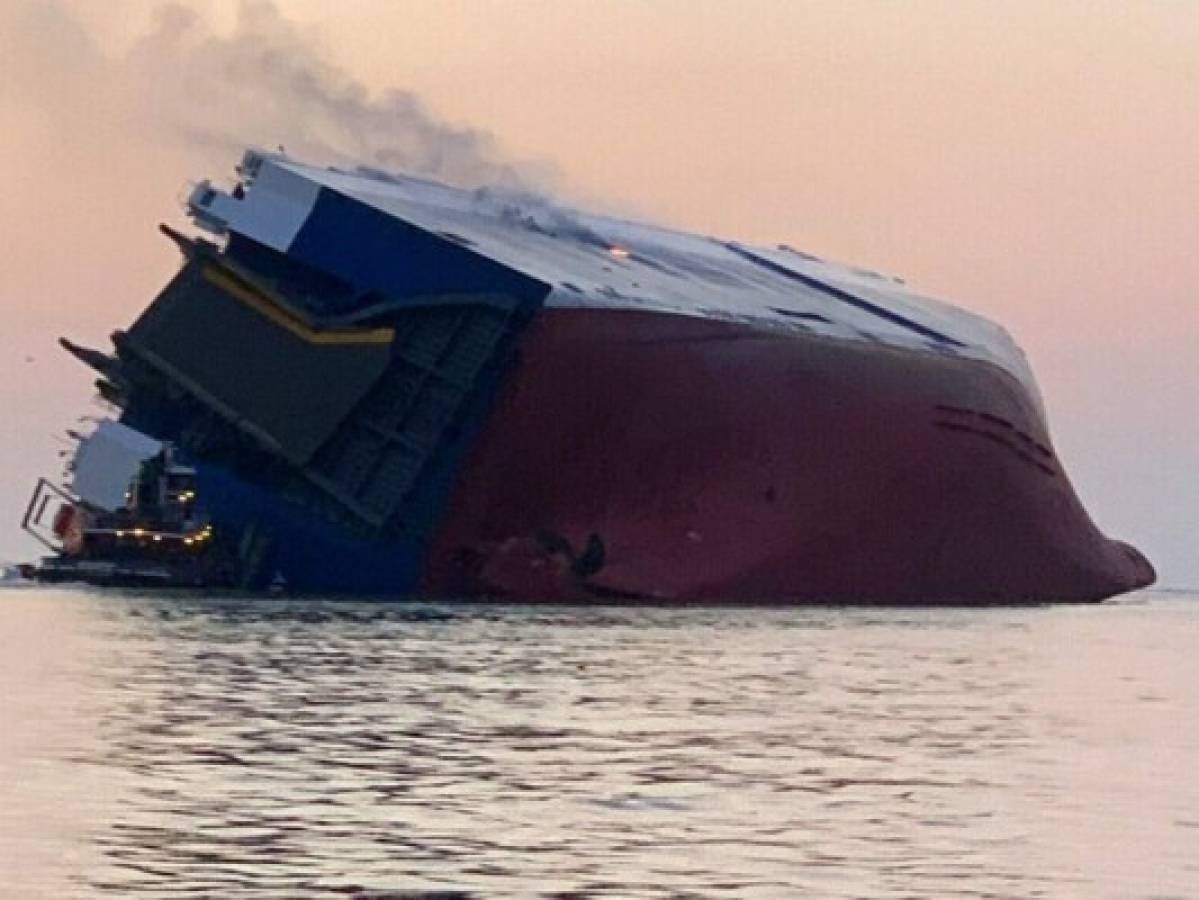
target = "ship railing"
x: 39, y: 518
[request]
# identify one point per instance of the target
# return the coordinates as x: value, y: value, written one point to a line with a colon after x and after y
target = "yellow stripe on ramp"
x: 261, y: 302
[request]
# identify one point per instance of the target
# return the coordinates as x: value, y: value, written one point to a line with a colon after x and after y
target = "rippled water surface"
x: 245, y: 748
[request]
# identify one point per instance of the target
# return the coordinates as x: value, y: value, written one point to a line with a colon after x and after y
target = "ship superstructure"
x: 383, y: 384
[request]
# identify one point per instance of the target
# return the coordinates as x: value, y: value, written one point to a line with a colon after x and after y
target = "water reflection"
x: 240, y: 748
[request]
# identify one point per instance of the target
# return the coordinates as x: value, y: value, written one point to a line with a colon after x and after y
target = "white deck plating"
x: 599, y: 261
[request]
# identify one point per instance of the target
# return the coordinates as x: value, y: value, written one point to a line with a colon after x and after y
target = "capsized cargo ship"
x: 365, y: 383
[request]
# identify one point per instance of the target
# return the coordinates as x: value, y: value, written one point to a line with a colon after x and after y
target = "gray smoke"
x: 266, y: 82
x: 200, y: 96
x: 535, y: 211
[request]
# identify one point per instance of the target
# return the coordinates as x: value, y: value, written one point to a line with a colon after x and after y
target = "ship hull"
x: 683, y: 459
x: 385, y: 386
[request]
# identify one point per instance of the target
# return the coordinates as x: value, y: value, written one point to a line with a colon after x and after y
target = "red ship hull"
x: 641, y: 455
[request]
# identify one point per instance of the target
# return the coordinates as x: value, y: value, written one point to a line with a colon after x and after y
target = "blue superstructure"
x: 327, y: 390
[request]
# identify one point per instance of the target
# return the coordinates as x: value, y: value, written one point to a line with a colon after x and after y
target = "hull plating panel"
x: 633, y: 454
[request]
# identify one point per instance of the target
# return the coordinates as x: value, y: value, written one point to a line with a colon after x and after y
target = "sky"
x: 1033, y: 162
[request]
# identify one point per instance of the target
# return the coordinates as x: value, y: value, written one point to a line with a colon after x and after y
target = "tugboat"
x: 147, y: 533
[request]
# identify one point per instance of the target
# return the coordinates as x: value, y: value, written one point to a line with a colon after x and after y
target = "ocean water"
x: 225, y: 747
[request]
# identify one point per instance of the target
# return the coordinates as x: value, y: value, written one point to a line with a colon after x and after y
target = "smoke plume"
x: 99, y: 143
x: 265, y: 82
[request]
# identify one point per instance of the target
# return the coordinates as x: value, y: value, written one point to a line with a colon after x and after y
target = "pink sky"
x: 1034, y: 162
